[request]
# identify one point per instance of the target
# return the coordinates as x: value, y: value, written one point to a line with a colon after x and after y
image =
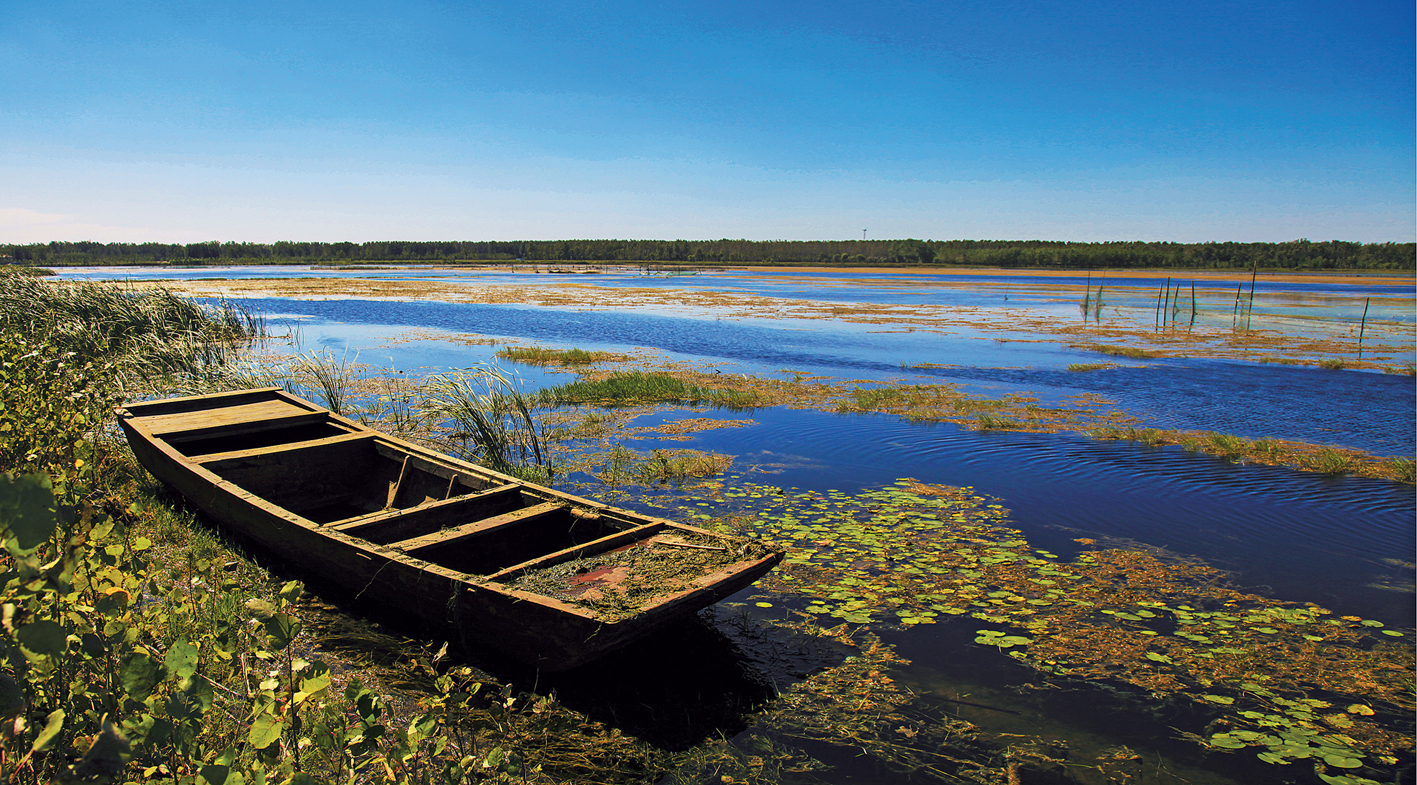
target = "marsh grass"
x: 1119, y: 351
x: 623, y: 389
x: 990, y: 422
x: 968, y: 405
x: 1402, y: 469
x: 492, y: 420
x: 149, y: 335
x: 538, y: 355
x: 1265, y: 451
x: 1084, y: 367
x: 322, y: 376
x: 1327, y: 460
x: 393, y: 405
x: 1333, y: 364
x: 678, y: 466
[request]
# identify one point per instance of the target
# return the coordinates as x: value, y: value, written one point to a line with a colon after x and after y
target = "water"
x: 1306, y: 536
x: 1337, y: 541
x: 1297, y: 536
x: 1365, y: 411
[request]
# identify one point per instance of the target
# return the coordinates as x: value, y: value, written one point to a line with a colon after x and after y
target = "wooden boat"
x: 545, y: 576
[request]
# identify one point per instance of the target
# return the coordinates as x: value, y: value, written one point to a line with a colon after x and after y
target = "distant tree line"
x: 1296, y: 254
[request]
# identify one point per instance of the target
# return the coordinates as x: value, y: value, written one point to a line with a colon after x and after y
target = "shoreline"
x: 1346, y: 277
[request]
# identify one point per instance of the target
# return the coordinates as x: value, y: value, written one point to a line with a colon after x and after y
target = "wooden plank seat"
x: 195, y: 430
x: 235, y: 455
x: 405, y: 524
x: 425, y: 546
x: 607, y: 543
x: 225, y: 417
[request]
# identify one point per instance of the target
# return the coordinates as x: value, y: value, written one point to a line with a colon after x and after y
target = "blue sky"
x: 317, y: 120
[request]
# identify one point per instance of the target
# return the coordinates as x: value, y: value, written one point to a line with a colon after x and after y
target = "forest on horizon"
x: 1295, y: 254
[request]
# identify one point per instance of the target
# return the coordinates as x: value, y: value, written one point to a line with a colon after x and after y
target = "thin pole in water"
x: 1193, y: 302
x: 1363, y: 325
x: 1249, y: 312
x: 1171, y: 301
x: 1158, y: 306
x: 1235, y: 314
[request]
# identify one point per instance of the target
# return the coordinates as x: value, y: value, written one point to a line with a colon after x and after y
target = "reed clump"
x: 540, y: 355
x: 1118, y: 350
x: 146, y: 335
x: 492, y: 420
x: 636, y: 387
x: 990, y: 422
x: 1265, y: 451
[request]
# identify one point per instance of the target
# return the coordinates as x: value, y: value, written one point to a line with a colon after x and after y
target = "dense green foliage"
x: 142, y: 334
x: 1297, y: 254
x: 121, y: 665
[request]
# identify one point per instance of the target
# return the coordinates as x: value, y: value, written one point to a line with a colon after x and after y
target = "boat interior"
x: 361, y: 483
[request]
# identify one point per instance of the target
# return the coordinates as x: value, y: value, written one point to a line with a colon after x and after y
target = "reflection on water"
x: 1296, y: 535
x: 1361, y: 410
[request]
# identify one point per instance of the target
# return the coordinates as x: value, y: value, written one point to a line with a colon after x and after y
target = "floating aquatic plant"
x: 915, y: 554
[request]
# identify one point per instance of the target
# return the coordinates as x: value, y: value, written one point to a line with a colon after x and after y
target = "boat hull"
x: 427, y: 575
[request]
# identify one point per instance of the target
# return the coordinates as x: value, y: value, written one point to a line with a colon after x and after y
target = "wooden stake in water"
x: 1169, y: 316
x: 1087, y: 297
x: 1363, y: 325
x: 1193, y: 302
x: 1249, y: 312
x: 1158, y: 306
x: 1166, y: 306
x: 1235, y: 314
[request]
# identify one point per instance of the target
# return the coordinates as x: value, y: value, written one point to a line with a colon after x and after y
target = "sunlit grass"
x: 636, y: 387
x: 540, y: 355
x: 1119, y: 351
x: 149, y: 335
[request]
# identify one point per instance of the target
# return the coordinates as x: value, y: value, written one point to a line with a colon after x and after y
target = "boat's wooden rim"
x: 345, y: 531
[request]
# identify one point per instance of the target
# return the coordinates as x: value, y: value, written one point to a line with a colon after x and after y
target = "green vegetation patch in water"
x: 638, y: 387
x: 915, y: 554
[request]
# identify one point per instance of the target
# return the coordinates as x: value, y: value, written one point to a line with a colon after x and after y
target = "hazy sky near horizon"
x: 423, y: 120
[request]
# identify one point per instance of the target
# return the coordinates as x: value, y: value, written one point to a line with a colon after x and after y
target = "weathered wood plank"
x: 606, y: 543
x: 212, y: 431
x: 303, y: 477
x: 429, y: 542
x: 389, y: 525
x: 218, y: 457
x: 192, y: 403
x: 257, y: 411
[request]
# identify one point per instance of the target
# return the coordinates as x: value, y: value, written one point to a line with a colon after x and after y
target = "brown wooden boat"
x: 545, y: 576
